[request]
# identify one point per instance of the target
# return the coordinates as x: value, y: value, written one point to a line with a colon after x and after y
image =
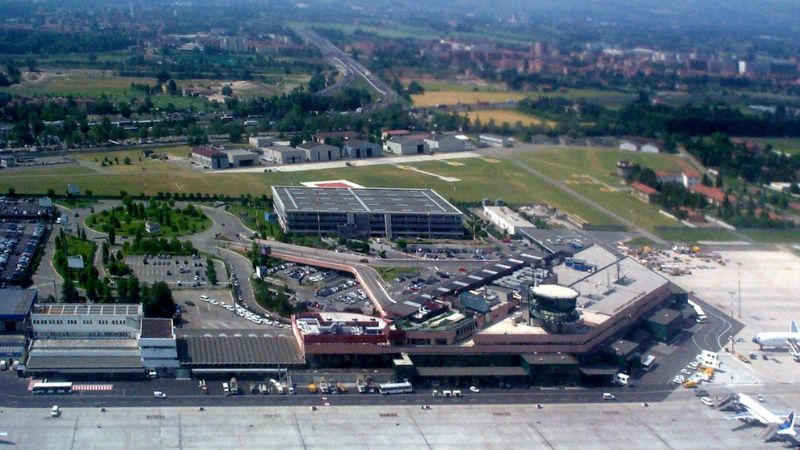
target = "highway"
x: 348, y: 67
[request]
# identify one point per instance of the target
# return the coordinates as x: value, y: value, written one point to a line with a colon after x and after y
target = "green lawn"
x: 590, y: 172
x: 178, y: 223
x: 786, y: 145
x: 693, y: 235
x: 479, y: 178
x: 77, y: 247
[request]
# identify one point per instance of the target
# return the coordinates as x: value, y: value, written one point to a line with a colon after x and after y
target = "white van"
x: 55, y: 411
x: 456, y: 393
x: 225, y: 389
x: 608, y: 396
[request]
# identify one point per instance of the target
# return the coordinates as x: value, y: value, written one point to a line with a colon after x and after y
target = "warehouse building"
x: 357, y: 149
x: 284, y: 155
x: 408, y: 145
x: 241, y: 158
x: 445, y: 143
x: 261, y: 141
x: 316, y: 152
x: 366, y: 212
x: 209, y: 157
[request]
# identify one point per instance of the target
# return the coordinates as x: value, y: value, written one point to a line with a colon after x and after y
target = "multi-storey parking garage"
x: 366, y: 212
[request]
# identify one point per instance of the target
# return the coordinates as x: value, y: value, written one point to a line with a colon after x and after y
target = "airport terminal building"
x: 389, y: 213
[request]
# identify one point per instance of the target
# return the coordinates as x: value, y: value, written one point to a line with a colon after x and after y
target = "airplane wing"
x: 3, y: 433
x: 743, y: 416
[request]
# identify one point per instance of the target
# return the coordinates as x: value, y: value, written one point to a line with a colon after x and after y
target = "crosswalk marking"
x: 92, y: 387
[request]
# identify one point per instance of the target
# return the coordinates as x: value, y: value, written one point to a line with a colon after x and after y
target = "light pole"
x: 739, y: 273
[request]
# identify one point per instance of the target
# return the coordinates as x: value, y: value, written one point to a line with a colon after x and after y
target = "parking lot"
x: 177, y: 271
x: 322, y: 290
x: 19, y: 241
x: 214, y: 309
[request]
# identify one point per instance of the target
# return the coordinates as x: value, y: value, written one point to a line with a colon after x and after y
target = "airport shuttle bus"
x: 701, y: 315
x: 648, y: 362
x: 52, y: 388
x: 395, y: 388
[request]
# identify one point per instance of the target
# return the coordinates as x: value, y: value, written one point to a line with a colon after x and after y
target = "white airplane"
x: 754, y: 411
x: 779, y: 339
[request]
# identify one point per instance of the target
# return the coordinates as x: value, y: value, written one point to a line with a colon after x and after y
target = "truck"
x: 361, y: 386
x: 233, y: 386
x: 312, y: 388
x: 341, y: 387
x: 323, y: 386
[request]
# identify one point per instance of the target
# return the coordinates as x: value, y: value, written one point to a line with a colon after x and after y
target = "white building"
x: 493, y: 140
x: 158, y: 345
x: 320, y: 152
x: 505, y: 219
x: 72, y: 321
x: 280, y: 154
x: 261, y: 141
x: 446, y: 143
x: 407, y: 145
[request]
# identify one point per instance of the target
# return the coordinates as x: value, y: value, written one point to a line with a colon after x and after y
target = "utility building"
x: 366, y: 212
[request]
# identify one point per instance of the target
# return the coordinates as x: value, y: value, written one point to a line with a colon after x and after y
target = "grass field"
x: 590, y: 172
x: 786, y: 145
x: 479, y: 179
x: 509, y: 116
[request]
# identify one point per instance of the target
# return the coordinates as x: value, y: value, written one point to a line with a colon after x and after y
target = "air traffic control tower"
x: 553, y: 306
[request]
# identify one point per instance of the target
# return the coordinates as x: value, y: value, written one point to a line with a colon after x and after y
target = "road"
x: 349, y: 68
x: 571, y: 192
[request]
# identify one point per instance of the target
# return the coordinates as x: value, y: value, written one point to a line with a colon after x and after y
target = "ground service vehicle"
x: 395, y: 388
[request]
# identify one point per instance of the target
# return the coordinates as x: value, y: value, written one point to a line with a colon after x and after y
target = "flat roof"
x: 664, y: 316
x: 615, y: 286
x: 508, y: 215
x: 16, y: 302
x: 507, y: 371
x: 363, y: 200
x: 83, y: 363
x: 239, y: 152
x: 157, y: 328
x: 283, y: 149
x: 95, y: 309
x: 249, y: 350
x: 549, y: 358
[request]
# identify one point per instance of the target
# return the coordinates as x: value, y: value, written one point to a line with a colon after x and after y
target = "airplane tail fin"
x: 787, y: 427
x: 793, y: 328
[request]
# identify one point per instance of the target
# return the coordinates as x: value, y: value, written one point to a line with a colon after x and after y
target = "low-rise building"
x: 241, y: 158
x: 505, y: 219
x: 493, y: 140
x: 445, y: 143
x: 644, y: 192
x: 284, y: 155
x: 158, y: 345
x: 356, y: 149
x: 209, y: 157
x: 152, y: 228
x: 714, y: 195
x: 331, y: 137
x: 261, y: 141
x: 316, y: 152
x: 77, y: 321
x: 407, y: 145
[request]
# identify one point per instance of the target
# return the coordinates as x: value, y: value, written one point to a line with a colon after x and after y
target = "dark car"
x: 700, y: 393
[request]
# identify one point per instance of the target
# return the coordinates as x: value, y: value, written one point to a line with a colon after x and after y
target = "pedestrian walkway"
x: 92, y: 387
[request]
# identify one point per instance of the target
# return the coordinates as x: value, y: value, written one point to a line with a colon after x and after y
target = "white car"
x: 229, y: 307
x: 204, y: 297
x: 213, y: 302
x: 223, y: 304
x: 474, y: 389
x: 707, y: 401
x: 159, y: 394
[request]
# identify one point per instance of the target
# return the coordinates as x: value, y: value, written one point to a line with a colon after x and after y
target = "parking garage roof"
x: 73, y: 310
x: 355, y: 200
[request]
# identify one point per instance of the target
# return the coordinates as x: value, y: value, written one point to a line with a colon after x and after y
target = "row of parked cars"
x: 8, y: 247
x: 241, y: 312
x: 330, y: 290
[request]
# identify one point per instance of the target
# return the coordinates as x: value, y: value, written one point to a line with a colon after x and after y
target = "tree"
x: 134, y: 290
x: 415, y: 88
x: 68, y: 292
x: 227, y: 90
x: 172, y: 88
x: 112, y: 235
x: 162, y: 77
x: 104, y: 250
x: 158, y: 301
